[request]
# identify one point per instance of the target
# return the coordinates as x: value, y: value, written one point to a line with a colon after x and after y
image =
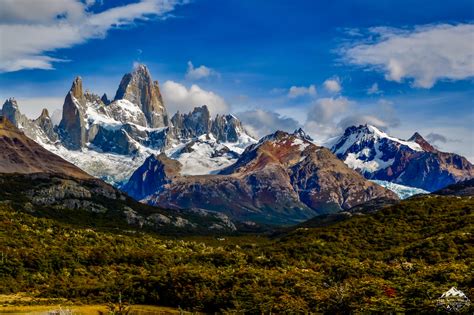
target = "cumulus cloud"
x: 324, y: 114
x: 327, y: 109
x: 436, y: 137
x: 297, y: 91
x: 32, y: 30
x: 200, y: 72
x: 332, y: 85
x: 260, y: 123
x: 423, y: 54
x: 179, y: 97
x: 362, y: 119
x: 381, y: 115
x: 329, y: 117
x: 374, y: 89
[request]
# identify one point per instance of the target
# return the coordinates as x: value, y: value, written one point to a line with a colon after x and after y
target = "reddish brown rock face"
x: 20, y: 154
x: 282, y: 179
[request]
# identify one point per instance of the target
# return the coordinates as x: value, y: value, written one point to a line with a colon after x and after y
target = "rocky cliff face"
x: 40, y: 129
x: 282, y: 179
x: 191, y: 125
x: 138, y: 88
x: 225, y: 128
x: 73, y: 124
x: 45, y: 123
x: 156, y: 171
x: 412, y: 162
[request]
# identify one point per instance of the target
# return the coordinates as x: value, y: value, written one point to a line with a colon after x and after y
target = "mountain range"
x: 413, y: 162
x: 197, y: 163
x: 35, y: 180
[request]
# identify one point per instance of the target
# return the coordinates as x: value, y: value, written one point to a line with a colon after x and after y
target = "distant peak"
x: 415, y: 136
x: 76, y: 88
x: 44, y: 113
x: 425, y: 145
x: 141, y: 70
x: 11, y: 102
x: 105, y: 99
x: 300, y: 133
x: 140, y: 67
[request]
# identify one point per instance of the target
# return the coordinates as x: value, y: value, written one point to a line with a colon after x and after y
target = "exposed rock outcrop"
x: 156, y: 172
x: 45, y: 123
x: 72, y: 128
x: 138, y: 88
x: 40, y: 129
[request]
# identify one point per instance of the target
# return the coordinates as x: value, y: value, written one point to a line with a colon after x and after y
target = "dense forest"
x: 400, y: 259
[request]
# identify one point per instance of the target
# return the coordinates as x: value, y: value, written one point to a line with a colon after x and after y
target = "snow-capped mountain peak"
x: 110, y: 139
x: 366, y: 134
x: 413, y: 162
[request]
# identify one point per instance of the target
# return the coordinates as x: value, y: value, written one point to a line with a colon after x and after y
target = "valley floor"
x: 13, y: 305
x: 400, y: 259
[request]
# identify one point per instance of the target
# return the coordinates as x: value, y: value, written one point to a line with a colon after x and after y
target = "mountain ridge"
x: 412, y: 162
x: 283, y: 178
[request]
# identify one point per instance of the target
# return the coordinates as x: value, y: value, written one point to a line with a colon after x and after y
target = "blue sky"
x: 404, y: 66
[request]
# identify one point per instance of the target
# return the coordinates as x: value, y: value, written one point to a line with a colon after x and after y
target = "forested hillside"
x: 401, y: 258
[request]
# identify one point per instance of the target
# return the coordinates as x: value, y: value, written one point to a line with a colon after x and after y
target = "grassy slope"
x: 400, y: 259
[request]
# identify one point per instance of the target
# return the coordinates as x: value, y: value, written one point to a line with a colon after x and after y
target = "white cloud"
x: 329, y: 117
x: 178, y: 97
x: 424, y: 54
x: 200, y: 72
x: 297, y: 91
x: 323, y: 116
x: 31, y: 30
x: 327, y: 109
x: 374, y: 89
x: 332, y: 85
x: 260, y: 123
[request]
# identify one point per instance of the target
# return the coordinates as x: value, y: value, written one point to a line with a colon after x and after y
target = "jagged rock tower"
x: 138, y: 88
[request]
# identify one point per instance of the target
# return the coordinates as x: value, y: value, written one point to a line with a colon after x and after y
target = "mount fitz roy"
x: 196, y: 162
x: 110, y: 139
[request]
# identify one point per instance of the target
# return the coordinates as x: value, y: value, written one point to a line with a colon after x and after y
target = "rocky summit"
x: 110, y: 139
x: 284, y: 178
x: 413, y: 162
x: 138, y: 88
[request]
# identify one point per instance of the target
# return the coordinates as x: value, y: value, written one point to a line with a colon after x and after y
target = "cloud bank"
x: 260, y: 123
x: 423, y: 54
x: 329, y: 117
x: 32, y: 30
x: 179, y: 97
